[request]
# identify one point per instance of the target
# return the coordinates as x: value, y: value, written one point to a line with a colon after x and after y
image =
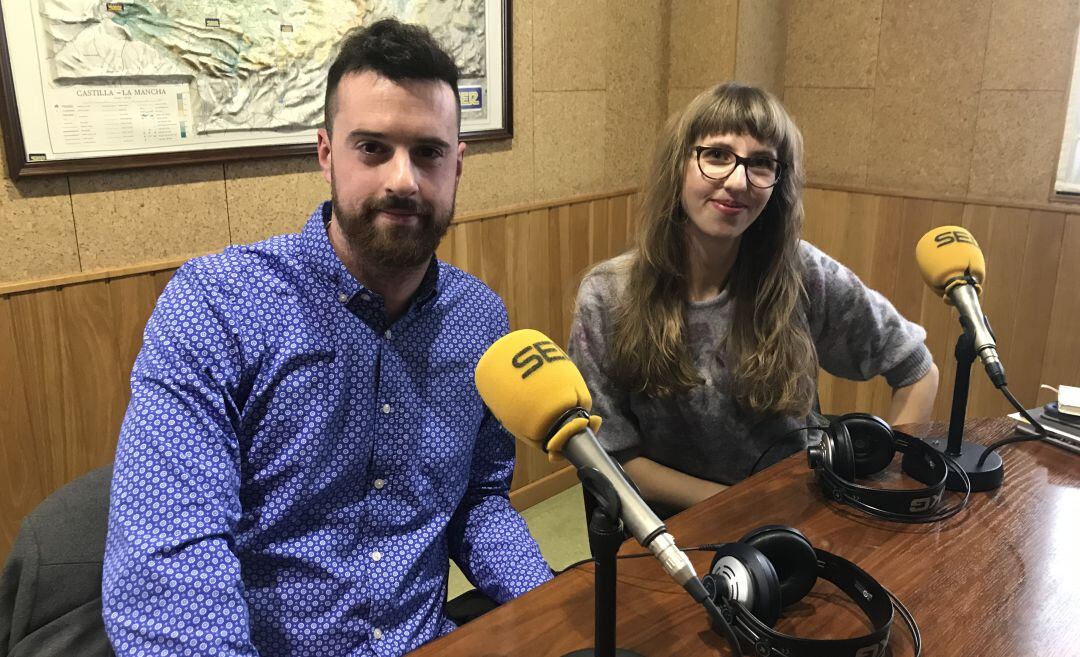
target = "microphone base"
x: 987, y: 477
x: 590, y: 652
x: 966, y: 454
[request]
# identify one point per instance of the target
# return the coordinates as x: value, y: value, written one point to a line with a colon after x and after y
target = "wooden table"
x: 1000, y: 578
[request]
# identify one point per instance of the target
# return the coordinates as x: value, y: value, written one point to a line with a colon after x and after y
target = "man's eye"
x: 371, y: 148
x: 429, y: 152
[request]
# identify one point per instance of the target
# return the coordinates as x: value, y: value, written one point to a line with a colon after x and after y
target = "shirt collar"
x: 326, y: 264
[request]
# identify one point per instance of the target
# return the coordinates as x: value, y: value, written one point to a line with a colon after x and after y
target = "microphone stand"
x: 966, y: 454
x: 606, y: 534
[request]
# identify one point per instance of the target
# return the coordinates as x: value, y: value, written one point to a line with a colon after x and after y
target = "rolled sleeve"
x: 857, y: 332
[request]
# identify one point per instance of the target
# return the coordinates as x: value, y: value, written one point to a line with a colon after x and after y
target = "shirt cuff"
x: 911, y: 369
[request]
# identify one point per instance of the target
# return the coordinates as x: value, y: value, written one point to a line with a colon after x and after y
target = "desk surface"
x: 1000, y: 578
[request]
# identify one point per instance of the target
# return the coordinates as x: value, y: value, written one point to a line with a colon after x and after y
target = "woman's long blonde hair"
x: 768, y: 349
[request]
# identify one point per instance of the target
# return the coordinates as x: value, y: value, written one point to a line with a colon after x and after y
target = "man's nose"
x: 401, y: 178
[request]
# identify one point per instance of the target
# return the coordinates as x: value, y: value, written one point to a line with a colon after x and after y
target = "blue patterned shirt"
x: 294, y: 471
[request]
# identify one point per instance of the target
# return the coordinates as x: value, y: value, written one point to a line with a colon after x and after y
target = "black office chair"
x: 50, y: 589
x: 468, y: 606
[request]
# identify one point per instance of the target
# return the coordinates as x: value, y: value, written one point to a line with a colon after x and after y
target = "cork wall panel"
x: 570, y: 155
x: 955, y: 89
x: 568, y: 47
x: 37, y: 232
x: 271, y: 197
x: 1028, y: 47
x: 702, y: 42
x: 679, y: 97
x: 761, y: 43
x: 922, y: 139
x: 635, y: 89
x: 701, y: 49
x: 836, y: 126
x: 1010, y: 158
x: 149, y: 215
x: 832, y: 43
x: 933, y: 44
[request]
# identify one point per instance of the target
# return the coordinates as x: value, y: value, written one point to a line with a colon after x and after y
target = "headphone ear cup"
x: 792, y: 556
x: 742, y: 573
x: 872, y: 443
x: 842, y: 454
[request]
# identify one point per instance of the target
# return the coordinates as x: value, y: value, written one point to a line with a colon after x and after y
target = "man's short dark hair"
x: 396, y: 51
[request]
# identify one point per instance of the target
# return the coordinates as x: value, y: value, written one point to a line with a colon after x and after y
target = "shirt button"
x: 365, y: 297
x: 376, y: 555
x: 379, y: 483
x: 342, y: 297
x: 386, y: 408
x: 377, y: 633
x: 387, y: 335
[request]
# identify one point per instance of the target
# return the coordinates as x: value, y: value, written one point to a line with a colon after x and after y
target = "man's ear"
x: 323, y: 147
x: 460, y: 158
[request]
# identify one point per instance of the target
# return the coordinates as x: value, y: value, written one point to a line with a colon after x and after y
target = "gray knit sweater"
x: 858, y: 334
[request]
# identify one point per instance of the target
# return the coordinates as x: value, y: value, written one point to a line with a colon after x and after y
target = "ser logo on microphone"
x: 534, y: 356
x: 952, y: 236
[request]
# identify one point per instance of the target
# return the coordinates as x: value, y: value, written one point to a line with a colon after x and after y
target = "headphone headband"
x: 875, y: 602
x: 920, y: 461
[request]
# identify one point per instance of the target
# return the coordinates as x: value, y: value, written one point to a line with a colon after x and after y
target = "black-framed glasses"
x: 716, y: 163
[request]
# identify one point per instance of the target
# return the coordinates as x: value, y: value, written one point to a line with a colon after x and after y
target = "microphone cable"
x: 1040, y: 430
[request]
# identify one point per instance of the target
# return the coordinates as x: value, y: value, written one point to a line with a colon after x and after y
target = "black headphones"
x: 859, y: 445
x: 773, y: 567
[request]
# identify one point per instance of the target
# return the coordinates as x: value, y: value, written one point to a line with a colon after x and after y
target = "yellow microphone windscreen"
x: 529, y: 383
x: 945, y: 254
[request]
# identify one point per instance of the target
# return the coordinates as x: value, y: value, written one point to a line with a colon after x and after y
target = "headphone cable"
x: 776, y: 442
x: 909, y: 620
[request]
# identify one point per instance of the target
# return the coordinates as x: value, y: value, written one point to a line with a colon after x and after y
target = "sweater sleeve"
x: 588, y: 348
x: 858, y: 333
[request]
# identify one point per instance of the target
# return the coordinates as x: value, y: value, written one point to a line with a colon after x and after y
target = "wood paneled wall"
x: 66, y: 348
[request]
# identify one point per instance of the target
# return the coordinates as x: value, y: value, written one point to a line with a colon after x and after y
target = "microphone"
x: 953, y: 266
x: 538, y: 394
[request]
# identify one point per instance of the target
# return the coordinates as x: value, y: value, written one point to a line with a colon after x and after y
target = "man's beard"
x: 394, y: 247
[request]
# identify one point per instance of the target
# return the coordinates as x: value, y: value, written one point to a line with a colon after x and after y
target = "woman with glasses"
x: 701, y: 344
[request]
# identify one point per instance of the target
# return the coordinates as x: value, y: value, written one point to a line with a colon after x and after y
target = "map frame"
x: 15, y: 115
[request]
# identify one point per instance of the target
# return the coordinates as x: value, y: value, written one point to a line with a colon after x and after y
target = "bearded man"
x: 305, y: 449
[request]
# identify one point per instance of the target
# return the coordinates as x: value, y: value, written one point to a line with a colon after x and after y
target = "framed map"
x: 90, y: 86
